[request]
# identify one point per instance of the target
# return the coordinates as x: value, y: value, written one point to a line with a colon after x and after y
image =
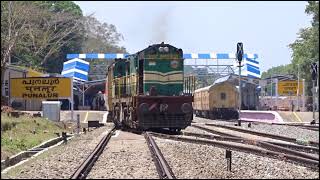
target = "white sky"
x: 265, y: 28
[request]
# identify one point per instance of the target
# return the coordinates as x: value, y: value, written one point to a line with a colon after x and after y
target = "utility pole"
x: 303, y: 95
x: 298, y: 93
x: 314, y: 70
x: 239, y: 58
x: 271, y: 88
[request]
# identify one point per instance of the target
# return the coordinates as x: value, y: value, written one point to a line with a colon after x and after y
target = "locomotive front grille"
x: 149, y: 120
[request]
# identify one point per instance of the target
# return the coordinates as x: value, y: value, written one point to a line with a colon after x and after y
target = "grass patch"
x: 20, y: 134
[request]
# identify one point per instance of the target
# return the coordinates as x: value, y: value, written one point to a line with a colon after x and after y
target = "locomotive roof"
x: 157, y: 46
x: 153, y: 47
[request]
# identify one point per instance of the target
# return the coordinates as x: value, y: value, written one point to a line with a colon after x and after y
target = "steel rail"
x: 163, y: 168
x: 299, y: 124
x: 312, y: 163
x: 310, y: 128
x: 265, y: 144
x: 249, y: 141
x: 312, y: 143
x: 84, y: 169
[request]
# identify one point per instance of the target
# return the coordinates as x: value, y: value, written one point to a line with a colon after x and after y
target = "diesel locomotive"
x: 146, y: 90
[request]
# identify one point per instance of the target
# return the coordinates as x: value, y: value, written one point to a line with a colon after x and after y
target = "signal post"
x: 239, y: 58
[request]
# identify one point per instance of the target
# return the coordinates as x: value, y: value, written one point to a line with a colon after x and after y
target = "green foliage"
x: 7, y: 125
x: 17, y: 133
x: 278, y: 70
x: 100, y: 38
x: 40, y: 33
x: 45, y: 31
x: 305, y: 49
x: 60, y: 6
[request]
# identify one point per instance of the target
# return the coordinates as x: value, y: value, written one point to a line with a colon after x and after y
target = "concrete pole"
x: 303, y: 95
x: 71, y: 99
x: 317, y: 85
x: 271, y: 87
x: 276, y: 89
x: 313, y: 101
x: 298, y: 93
x: 83, y: 94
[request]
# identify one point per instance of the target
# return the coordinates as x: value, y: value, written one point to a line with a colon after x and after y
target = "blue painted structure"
x: 76, y: 68
x: 251, y: 66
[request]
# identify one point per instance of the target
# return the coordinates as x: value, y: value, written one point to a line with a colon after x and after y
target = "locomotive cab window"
x: 223, y: 96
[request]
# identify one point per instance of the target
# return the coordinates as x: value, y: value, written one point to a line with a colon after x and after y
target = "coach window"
x: 223, y: 96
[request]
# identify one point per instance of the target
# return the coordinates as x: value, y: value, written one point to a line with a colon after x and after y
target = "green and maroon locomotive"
x: 146, y: 90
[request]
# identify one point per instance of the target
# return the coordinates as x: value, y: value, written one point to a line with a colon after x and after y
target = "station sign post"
x: 42, y: 88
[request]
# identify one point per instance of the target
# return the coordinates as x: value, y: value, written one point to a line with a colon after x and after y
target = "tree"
x: 54, y: 63
x: 43, y: 29
x: 100, y: 38
x: 278, y: 70
x: 306, y: 47
x: 39, y: 34
x: 305, y: 50
x: 13, y: 25
x: 60, y: 6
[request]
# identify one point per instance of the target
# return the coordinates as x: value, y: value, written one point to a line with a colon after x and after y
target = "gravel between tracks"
x: 126, y: 156
x: 59, y: 162
x: 189, y: 160
x: 281, y: 130
x: 191, y: 129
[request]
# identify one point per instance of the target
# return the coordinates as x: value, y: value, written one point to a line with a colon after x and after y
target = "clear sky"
x: 265, y: 28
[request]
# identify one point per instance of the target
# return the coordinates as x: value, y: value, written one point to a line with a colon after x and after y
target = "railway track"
x: 84, y: 169
x: 303, y: 125
x: 308, y: 149
x: 243, y: 148
x: 281, y: 147
x: 163, y: 168
x: 276, y: 150
x: 283, y: 138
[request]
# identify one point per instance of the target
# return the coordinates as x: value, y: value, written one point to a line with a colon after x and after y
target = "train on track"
x: 146, y: 90
x: 217, y: 101
x: 221, y: 99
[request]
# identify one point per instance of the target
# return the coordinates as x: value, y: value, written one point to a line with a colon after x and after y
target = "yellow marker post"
x: 85, y: 119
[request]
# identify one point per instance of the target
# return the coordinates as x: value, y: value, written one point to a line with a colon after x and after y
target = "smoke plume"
x: 160, y: 27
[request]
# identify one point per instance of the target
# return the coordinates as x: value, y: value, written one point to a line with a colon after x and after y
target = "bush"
x: 7, y: 125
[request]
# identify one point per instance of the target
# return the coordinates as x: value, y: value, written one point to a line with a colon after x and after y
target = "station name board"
x: 290, y: 88
x: 40, y: 88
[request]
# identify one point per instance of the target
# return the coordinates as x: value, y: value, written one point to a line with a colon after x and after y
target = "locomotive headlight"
x: 166, y: 49
x: 186, y: 108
